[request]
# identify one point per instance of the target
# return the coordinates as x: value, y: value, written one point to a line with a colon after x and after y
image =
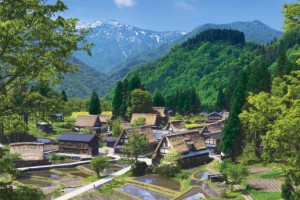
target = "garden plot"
x: 259, y: 170
x: 267, y: 185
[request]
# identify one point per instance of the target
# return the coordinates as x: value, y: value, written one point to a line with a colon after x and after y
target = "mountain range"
x: 119, y: 48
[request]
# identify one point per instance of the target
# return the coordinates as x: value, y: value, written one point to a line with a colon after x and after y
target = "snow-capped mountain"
x: 115, y: 41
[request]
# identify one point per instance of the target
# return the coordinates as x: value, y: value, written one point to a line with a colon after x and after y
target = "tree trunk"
x: 231, y: 187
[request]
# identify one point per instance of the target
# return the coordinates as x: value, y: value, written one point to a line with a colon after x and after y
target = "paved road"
x: 93, y: 185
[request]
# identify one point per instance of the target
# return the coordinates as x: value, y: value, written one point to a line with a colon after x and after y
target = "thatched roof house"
x: 29, y: 151
x: 160, y: 111
x: 189, y: 143
x: 176, y: 125
x: 213, y: 142
x: 211, y: 129
x: 142, y: 130
x: 150, y: 119
x: 88, y: 121
x: 105, y: 118
x: 215, y: 116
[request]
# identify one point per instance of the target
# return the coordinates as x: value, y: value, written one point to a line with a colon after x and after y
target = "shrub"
x: 139, y: 168
x: 57, y: 157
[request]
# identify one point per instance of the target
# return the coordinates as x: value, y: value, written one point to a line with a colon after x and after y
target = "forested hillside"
x: 86, y: 80
x: 208, y: 62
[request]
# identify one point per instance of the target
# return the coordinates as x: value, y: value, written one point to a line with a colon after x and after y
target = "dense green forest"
x: 212, y: 61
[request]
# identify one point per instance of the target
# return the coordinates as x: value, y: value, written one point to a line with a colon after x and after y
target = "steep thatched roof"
x: 176, y: 125
x: 181, y: 141
x: 105, y: 118
x: 142, y: 130
x: 214, y: 127
x: 87, y: 121
x: 150, y: 119
x: 160, y: 111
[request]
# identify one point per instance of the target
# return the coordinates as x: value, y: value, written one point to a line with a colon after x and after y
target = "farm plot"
x: 267, y: 185
x: 259, y: 170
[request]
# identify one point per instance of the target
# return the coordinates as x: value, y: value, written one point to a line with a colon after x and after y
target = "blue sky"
x: 184, y: 15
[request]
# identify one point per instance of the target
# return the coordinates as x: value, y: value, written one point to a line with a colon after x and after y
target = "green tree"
x: 35, y: 41
x: 94, y: 108
x: 284, y: 66
x: 140, y: 102
x: 137, y: 145
x: 158, y: 99
x: 138, y: 122
x: 116, y: 127
x: 64, y: 96
x: 233, y: 172
x: 221, y: 101
x: 259, y: 78
x: 117, y: 99
x: 169, y: 165
x: 134, y: 83
x: 99, y: 163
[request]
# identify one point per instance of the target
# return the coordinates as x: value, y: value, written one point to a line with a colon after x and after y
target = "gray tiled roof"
x: 76, y: 137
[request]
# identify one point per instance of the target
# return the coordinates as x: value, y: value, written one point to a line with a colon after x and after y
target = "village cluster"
x: 195, y: 145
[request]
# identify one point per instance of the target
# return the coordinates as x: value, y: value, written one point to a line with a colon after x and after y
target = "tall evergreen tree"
x: 134, y: 83
x: 94, y: 108
x: 284, y: 66
x: 221, y: 101
x: 260, y: 79
x: 158, y: 99
x: 64, y: 96
x: 232, y: 138
x: 117, y: 99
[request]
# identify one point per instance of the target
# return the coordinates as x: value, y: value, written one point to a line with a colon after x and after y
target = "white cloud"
x: 125, y: 3
x: 183, y: 5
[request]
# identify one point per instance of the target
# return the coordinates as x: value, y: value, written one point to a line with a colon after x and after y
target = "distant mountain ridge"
x: 115, y: 41
x: 254, y: 31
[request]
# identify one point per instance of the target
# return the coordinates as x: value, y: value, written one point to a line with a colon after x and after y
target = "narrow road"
x: 94, y: 185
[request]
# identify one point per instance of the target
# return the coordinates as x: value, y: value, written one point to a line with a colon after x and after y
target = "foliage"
x: 99, y: 163
x: 221, y: 103
x: 21, y: 192
x: 94, y: 108
x: 139, y: 168
x: 184, y: 101
x: 158, y: 99
x: 138, y: 122
x: 116, y: 127
x: 57, y: 157
x: 137, y: 145
x: 207, y: 68
x: 234, y: 173
x: 169, y: 165
x: 64, y: 96
x: 140, y: 102
x: 216, y: 35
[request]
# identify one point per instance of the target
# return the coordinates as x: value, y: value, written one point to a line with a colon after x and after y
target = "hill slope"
x: 85, y: 81
x: 255, y: 31
x: 205, y: 63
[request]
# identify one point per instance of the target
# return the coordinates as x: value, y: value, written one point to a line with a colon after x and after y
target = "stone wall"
x: 28, y: 150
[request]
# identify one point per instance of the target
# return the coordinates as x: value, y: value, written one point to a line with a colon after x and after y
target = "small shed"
x: 57, y: 117
x: 110, y: 141
x: 45, y: 127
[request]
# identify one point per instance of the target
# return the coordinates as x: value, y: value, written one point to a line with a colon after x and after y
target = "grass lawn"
x: 193, y: 125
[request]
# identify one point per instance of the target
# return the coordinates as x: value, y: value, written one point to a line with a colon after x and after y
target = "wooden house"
x: 213, y: 117
x: 213, y: 142
x: 176, y: 125
x: 142, y: 130
x: 189, y: 143
x: 150, y: 119
x: 110, y: 141
x: 91, y: 122
x: 212, y: 135
x: 162, y: 117
x: 74, y: 143
x: 45, y: 127
x: 104, y: 121
x: 28, y: 151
